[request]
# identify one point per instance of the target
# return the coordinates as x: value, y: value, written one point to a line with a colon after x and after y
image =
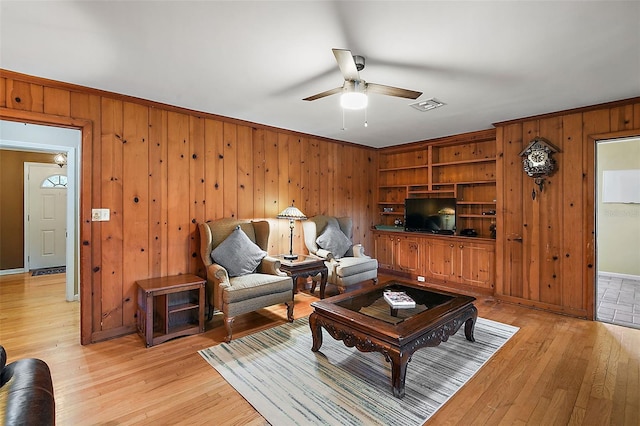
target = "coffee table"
x: 364, y: 319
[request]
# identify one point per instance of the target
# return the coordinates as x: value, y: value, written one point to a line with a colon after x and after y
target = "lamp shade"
x: 292, y: 213
x: 447, y: 211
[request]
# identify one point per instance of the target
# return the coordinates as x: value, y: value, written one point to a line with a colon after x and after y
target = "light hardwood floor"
x: 555, y: 370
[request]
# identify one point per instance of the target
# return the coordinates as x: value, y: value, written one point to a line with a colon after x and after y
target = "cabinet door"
x: 383, y: 247
x: 440, y: 260
x: 476, y: 264
x: 408, y: 254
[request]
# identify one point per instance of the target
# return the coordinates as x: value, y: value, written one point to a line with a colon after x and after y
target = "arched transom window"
x: 54, y: 181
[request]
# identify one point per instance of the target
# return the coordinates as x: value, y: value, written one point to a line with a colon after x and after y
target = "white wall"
x: 618, y: 224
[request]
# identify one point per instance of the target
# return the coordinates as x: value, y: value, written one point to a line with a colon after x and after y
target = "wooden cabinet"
x: 476, y: 264
x: 398, y: 252
x: 461, y: 261
x: 439, y: 259
x: 407, y: 254
x: 170, y: 307
x: 455, y: 261
x: 462, y: 167
x: 383, y: 248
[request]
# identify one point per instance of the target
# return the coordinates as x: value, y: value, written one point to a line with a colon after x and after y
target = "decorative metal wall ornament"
x: 537, y: 161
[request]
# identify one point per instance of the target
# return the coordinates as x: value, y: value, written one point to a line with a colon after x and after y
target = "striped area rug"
x: 276, y: 372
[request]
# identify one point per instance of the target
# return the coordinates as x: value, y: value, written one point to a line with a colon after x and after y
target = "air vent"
x: 427, y: 105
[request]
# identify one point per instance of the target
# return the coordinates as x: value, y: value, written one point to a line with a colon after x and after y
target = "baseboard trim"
x: 12, y: 271
x: 617, y: 275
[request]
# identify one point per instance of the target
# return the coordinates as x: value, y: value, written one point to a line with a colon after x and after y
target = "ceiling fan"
x: 354, y: 88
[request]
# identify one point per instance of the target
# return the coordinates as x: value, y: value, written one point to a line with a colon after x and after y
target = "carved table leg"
x: 470, y: 324
x: 289, y: 311
x: 316, y: 332
x: 399, y: 363
x: 323, y: 283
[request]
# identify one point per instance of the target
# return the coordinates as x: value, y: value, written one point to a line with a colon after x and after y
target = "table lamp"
x: 292, y: 213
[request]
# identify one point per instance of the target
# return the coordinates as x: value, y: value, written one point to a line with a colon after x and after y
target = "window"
x: 54, y: 181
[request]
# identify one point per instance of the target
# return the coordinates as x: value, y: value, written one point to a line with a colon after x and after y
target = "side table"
x: 304, y: 266
x: 170, y: 307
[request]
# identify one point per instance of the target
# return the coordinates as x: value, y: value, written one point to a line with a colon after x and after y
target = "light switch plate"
x: 99, y: 215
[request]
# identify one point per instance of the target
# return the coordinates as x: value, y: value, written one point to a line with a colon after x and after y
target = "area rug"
x: 49, y: 271
x: 276, y: 372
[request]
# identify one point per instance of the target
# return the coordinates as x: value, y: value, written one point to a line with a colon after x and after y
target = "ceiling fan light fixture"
x: 354, y: 100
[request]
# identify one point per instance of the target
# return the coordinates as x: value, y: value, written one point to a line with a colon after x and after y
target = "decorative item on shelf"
x: 492, y: 230
x: 387, y: 209
x: 397, y: 222
x: 60, y: 159
x: 447, y: 213
x: 537, y: 161
x: 489, y: 213
x: 292, y: 213
x: 469, y: 232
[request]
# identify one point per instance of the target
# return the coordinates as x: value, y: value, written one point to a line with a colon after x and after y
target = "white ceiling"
x: 255, y: 61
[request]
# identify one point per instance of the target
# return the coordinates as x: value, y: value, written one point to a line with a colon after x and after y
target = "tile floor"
x: 618, y: 300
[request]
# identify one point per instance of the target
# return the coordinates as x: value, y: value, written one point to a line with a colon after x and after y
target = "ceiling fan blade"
x: 392, y: 91
x: 323, y: 94
x: 347, y: 64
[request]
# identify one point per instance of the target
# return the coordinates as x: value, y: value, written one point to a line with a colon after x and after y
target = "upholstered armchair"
x: 241, y: 276
x: 330, y: 238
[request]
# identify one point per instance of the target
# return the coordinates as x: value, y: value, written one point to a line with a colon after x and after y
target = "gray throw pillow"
x: 238, y: 254
x: 333, y: 239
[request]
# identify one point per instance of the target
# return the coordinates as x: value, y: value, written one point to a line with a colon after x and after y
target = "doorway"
x: 618, y: 231
x: 40, y: 138
x: 45, y: 212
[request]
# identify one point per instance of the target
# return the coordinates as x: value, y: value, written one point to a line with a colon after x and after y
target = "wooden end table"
x: 304, y: 266
x: 170, y: 307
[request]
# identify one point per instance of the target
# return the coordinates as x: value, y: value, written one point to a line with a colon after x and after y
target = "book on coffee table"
x: 399, y: 300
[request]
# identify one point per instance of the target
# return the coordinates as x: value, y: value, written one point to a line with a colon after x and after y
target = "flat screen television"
x: 435, y: 215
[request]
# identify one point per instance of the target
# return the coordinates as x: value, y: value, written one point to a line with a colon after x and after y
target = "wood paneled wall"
x: 161, y: 170
x: 546, y: 254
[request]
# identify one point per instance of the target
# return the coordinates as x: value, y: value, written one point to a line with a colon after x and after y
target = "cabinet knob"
x: 450, y: 245
x: 461, y: 246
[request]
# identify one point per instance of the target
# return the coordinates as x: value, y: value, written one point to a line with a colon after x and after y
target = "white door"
x: 46, y: 211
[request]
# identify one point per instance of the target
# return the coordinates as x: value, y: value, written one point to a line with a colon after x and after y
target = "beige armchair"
x: 330, y: 238
x: 239, y: 287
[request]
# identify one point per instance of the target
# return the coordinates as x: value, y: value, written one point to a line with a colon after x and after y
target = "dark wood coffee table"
x: 363, y: 319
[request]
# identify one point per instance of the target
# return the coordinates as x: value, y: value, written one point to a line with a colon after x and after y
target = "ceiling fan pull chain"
x: 366, y: 122
x: 343, y: 128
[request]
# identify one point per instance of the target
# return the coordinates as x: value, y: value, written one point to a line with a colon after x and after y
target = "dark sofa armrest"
x: 26, y: 392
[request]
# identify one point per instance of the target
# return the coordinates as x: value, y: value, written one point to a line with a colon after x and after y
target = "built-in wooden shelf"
x: 455, y: 163
x: 463, y: 168
x: 395, y: 169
